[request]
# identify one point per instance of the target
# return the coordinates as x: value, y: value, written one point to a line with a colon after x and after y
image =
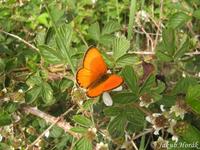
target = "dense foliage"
x: 153, y: 44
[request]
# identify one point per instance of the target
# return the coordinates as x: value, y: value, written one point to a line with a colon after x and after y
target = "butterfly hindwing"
x: 112, y: 82
x: 93, y: 68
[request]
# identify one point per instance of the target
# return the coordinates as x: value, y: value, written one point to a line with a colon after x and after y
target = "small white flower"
x: 6, y: 99
x: 156, y: 114
x: 160, y: 143
x: 20, y: 91
x: 158, y: 122
x: 178, y: 111
x: 47, y: 134
x: 4, y: 90
x: 162, y: 108
x: 107, y: 99
x: 94, y: 1
x: 145, y: 100
x: 171, y: 130
x: 94, y: 130
x: 183, y: 75
x: 1, y: 137
x: 101, y: 146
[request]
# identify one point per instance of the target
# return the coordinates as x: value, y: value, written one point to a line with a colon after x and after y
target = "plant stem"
x: 131, y: 18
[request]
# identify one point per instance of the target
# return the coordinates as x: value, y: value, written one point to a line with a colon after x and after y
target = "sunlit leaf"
x: 120, y: 47
x: 178, y: 20
x: 130, y: 78
x: 193, y: 97
x: 82, y: 120
x: 110, y: 27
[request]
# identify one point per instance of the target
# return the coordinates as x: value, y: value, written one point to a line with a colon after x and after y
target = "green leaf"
x: 94, y: 31
x: 4, y: 146
x: 56, y: 132
x: 112, y: 111
x: 43, y: 19
x: 191, y: 134
x: 82, y: 120
x: 135, y: 117
x: 65, y: 32
x: 178, y: 20
x: 65, y: 84
x: 83, y: 144
x: 79, y: 130
x: 193, y: 97
x: 169, y: 41
x: 183, y: 85
x: 110, y: 27
x: 196, y: 14
x: 127, y: 59
x: 117, y: 125
x: 130, y: 79
x: 184, y: 47
x: 33, y: 94
x: 120, y: 46
x: 146, y: 86
x: 2, y: 66
x: 5, y: 119
x: 162, y: 54
x: 50, y: 55
x: 47, y: 93
x: 124, y: 98
x: 106, y: 40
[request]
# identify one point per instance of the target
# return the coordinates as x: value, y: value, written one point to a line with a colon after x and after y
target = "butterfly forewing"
x: 93, y: 68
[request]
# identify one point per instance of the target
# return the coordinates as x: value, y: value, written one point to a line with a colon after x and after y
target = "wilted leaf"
x: 148, y: 69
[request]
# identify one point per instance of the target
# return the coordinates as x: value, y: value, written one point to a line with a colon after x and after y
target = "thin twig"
x: 132, y: 142
x: 143, y: 133
x: 20, y: 39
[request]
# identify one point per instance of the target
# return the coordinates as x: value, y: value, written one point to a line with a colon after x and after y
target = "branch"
x: 50, y: 119
x: 20, y: 39
x: 43, y: 133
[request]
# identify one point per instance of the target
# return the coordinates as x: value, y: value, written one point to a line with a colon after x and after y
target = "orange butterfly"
x: 93, y: 75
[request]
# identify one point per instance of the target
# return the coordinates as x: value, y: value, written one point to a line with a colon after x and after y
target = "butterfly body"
x: 93, y: 75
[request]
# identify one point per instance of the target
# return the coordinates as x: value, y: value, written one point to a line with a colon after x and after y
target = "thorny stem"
x: 51, y: 119
x: 43, y: 133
